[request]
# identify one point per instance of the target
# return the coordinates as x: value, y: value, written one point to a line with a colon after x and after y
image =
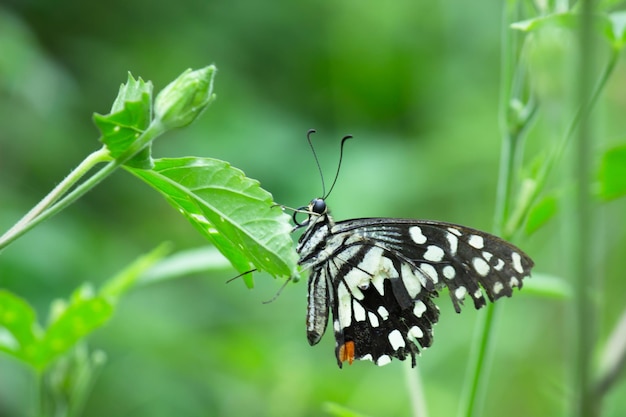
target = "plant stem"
x: 585, y: 278
x: 474, y: 380
x: 59, y: 198
x: 519, y: 214
x: 28, y: 221
x: 416, y: 391
x: 512, y: 136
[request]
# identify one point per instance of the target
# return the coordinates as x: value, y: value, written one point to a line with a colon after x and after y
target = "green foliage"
x: 184, y: 347
x: 233, y: 212
x: 612, y: 175
x: 130, y: 116
x: 230, y: 210
x: 541, y: 213
x: 70, y: 321
x: 26, y: 340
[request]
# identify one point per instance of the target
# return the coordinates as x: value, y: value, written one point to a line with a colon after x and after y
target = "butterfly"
x: 378, y: 278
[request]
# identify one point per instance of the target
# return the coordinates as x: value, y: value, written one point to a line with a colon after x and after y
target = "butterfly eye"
x: 318, y: 206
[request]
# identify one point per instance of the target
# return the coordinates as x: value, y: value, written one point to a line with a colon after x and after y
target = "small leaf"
x: 229, y: 209
x: 540, y: 213
x: 81, y: 317
x: 18, y: 326
x: 130, y: 115
x: 612, y: 173
x: 616, y: 29
x: 548, y: 286
x: 190, y: 261
x: 563, y: 20
x: 611, y: 26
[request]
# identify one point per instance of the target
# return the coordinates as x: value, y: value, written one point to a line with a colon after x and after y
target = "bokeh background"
x: 416, y: 83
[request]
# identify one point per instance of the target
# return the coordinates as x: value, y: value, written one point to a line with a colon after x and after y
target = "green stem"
x: 476, y: 376
x: 584, y: 274
x: 517, y: 217
x: 28, y: 221
x: 513, y: 135
x: 59, y: 198
x: 416, y: 391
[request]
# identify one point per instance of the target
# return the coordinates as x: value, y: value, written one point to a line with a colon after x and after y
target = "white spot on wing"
x: 497, y: 287
x: 415, y: 332
x: 359, y: 311
x: 383, y: 360
x: 354, y: 279
x: 449, y: 271
x: 453, y: 241
x: 433, y: 253
x: 478, y: 294
x: 416, y: 235
x: 460, y: 292
x: 454, y: 231
x: 410, y: 280
x: 419, y: 308
x: 396, y: 340
x: 514, y: 282
x: 345, y: 310
x: 499, y: 265
x: 517, y: 262
x: 383, y: 313
x: 430, y: 272
x: 476, y: 241
x: 373, y: 319
x: 480, y: 266
x: 487, y: 256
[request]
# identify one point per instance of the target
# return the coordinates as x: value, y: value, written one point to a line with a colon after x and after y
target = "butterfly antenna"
x: 317, y: 161
x: 345, y: 138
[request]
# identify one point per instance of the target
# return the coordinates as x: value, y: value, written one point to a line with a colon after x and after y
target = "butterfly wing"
x: 380, y: 276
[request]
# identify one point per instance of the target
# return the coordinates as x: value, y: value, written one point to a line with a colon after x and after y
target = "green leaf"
x: 22, y: 337
x: 18, y: 327
x: 562, y: 20
x: 548, y: 286
x: 615, y: 29
x: 611, y: 26
x: 190, y: 261
x: 540, y: 213
x: 71, y: 324
x: 130, y: 115
x: 230, y: 210
x: 612, y: 173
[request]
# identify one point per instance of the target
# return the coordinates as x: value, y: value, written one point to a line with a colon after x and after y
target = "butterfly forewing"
x: 378, y: 278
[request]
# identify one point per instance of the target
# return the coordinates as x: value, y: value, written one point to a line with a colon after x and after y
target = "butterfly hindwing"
x: 375, y: 315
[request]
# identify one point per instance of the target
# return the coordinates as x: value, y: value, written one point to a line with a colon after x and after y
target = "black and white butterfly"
x: 378, y: 278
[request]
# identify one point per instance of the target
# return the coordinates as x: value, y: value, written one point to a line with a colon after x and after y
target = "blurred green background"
x: 416, y: 83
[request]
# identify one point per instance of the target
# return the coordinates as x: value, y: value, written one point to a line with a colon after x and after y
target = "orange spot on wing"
x: 346, y: 352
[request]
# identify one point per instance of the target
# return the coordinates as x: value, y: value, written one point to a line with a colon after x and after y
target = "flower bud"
x: 178, y: 104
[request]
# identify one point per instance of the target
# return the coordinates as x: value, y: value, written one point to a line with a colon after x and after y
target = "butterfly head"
x: 316, y: 208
